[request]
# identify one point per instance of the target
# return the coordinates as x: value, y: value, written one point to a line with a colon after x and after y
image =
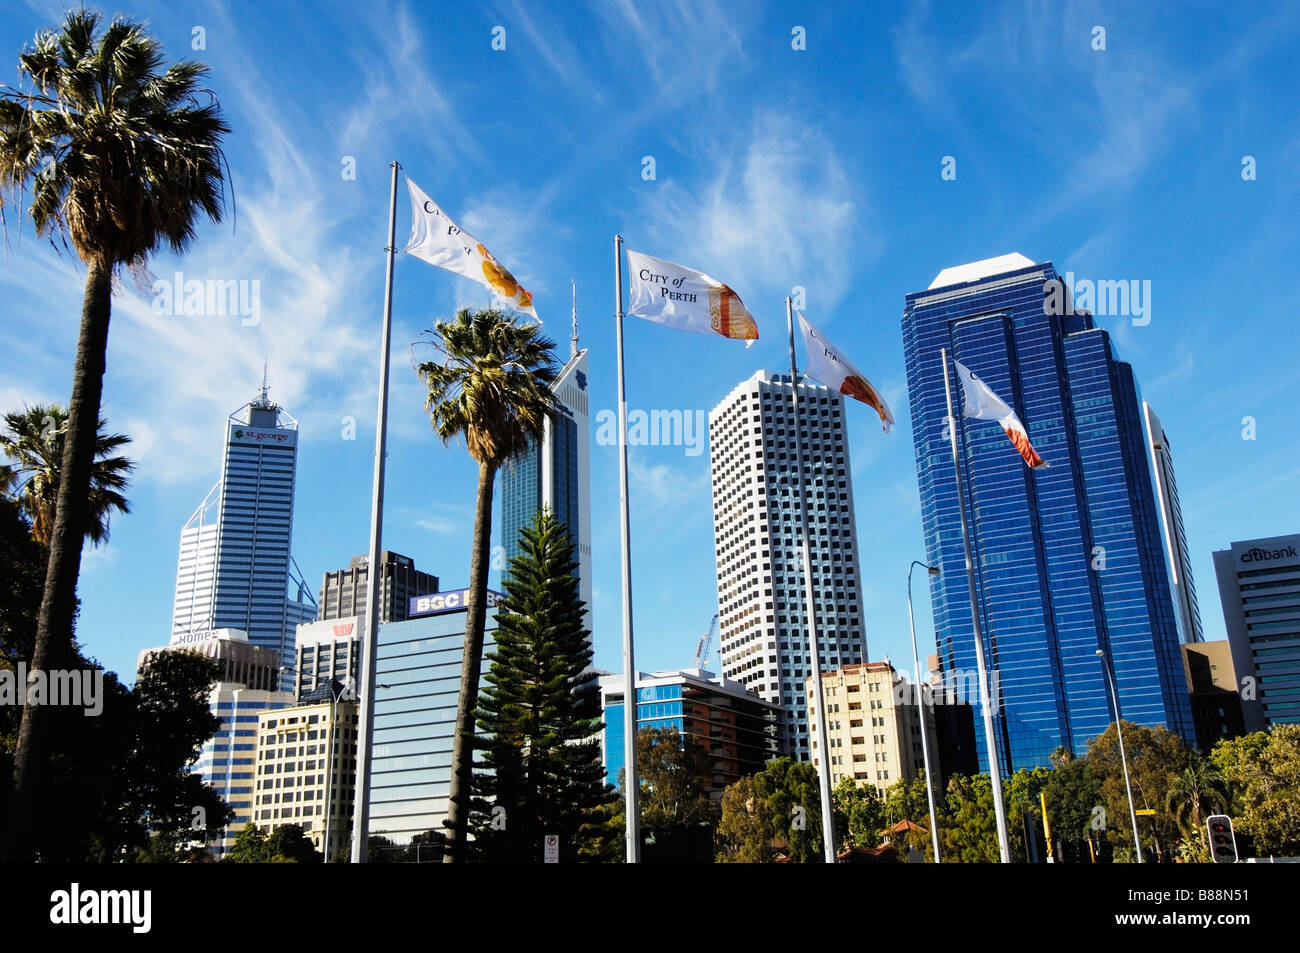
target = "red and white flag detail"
x: 982, y: 404
x: 828, y: 365
x: 435, y: 238
x: 686, y: 299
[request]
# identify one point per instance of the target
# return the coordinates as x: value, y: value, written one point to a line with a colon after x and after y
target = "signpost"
x: 551, y: 850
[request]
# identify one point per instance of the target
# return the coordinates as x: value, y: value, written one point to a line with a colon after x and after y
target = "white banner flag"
x: 435, y: 238
x: 981, y: 403
x: 828, y: 365
x: 687, y: 300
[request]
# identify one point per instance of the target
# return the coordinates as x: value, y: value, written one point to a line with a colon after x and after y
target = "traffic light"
x: 1223, y: 845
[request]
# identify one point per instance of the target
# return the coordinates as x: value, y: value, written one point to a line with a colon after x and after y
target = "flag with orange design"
x: 828, y: 365
x: 982, y: 404
x: 435, y: 238
x: 685, y: 299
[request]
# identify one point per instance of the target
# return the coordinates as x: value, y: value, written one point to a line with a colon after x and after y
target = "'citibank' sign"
x: 1264, y: 555
x: 455, y: 600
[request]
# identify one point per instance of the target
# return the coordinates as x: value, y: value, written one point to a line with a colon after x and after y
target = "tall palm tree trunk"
x: 59, y: 601
x: 462, y: 753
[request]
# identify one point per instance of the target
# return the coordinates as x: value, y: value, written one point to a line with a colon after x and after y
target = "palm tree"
x: 1194, y: 793
x: 119, y: 159
x: 490, y: 388
x: 33, y: 440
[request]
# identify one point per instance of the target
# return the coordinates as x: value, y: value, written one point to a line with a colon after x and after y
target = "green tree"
x: 859, y: 814
x: 1193, y: 795
x: 675, y: 770
x: 1155, y: 757
x: 1262, y: 770
x: 33, y: 440
x: 283, y: 845
x: 1073, y: 797
x: 674, y: 799
x: 118, y: 159
x: 778, y: 811
x: 249, y: 847
x: 491, y: 388
x: 970, y: 834
x: 542, y: 772
x: 1024, y: 812
x: 22, y: 575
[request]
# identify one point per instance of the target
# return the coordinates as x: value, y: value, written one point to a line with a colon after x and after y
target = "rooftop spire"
x: 573, y: 341
x: 263, y: 399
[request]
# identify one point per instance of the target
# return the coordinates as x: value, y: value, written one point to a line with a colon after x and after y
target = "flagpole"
x: 361, y: 803
x: 631, y: 780
x: 990, y: 740
x: 814, y: 650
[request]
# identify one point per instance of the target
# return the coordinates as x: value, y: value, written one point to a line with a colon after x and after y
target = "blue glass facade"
x: 417, y: 671
x: 1068, y: 559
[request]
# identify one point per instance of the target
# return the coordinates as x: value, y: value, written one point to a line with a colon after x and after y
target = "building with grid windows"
x: 329, y: 650
x: 235, y: 569
x: 417, y: 677
x: 345, y: 592
x: 737, y: 728
x: 306, y: 769
x: 556, y: 474
x: 1068, y: 559
x: 873, y: 725
x: 757, y: 541
x: 1259, y: 587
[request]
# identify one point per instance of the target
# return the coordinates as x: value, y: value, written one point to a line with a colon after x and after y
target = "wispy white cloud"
x: 776, y: 212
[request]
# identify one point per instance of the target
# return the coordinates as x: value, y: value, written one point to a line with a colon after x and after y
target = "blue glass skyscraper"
x: 556, y: 474
x: 1068, y: 559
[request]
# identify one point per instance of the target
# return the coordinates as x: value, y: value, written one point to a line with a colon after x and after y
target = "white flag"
x: 686, y: 299
x: 982, y: 404
x: 828, y: 365
x: 435, y: 238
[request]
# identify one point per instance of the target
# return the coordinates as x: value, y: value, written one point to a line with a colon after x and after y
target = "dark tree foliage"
x: 540, y: 712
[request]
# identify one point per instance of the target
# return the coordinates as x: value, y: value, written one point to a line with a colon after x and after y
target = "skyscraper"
x: 556, y: 474
x: 1171, y: 522
x: 235, y: 569
x: 1068, y: 559
x: 761, y: 603
x: 1259, y: 586
x: 344, y: 592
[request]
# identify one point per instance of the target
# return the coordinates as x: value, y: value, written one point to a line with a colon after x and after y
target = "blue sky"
x: 774, y: 168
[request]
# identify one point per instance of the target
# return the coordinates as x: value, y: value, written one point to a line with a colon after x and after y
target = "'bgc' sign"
x: 456, y: 600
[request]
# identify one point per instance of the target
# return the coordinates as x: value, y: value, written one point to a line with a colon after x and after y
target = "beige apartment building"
x: 873, y: 728
x: 295, y: 783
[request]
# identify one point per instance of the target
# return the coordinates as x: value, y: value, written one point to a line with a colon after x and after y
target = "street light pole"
x: 1123, y: 759
x: 920, y: 703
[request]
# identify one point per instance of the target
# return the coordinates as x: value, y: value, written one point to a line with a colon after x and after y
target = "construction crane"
x: 706, y: 642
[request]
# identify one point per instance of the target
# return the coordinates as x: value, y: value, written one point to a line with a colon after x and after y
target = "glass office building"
x: 1069, y: 559
x: 738, y: 729
x: 417, y: 674
x: 556, y: 474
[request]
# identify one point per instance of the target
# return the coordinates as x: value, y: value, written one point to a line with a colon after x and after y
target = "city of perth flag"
x: 435, y: 238
x: 982, y: 404
x: 686, y: 299
x: 828, y: 365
